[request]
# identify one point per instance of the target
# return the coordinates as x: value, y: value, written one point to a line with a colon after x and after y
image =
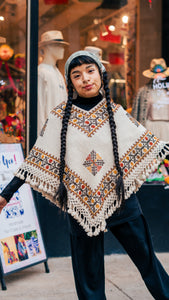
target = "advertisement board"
x: 21, y: 243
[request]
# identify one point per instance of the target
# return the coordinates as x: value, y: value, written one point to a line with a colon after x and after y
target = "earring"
x: 75, y: 94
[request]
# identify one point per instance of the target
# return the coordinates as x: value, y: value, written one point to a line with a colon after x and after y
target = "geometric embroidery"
x: 93, y: 162
x: 86, y: 121
x: 43, y: 161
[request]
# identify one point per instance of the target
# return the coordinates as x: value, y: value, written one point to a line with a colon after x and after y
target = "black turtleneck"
x: 87, y: 103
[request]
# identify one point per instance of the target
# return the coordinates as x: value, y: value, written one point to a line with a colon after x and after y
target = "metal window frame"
x: 32, y: 72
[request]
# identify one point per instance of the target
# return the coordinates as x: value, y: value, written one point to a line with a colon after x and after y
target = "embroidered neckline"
x: 87, y: 121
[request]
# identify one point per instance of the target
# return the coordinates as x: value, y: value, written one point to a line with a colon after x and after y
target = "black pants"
x: 88, y: 260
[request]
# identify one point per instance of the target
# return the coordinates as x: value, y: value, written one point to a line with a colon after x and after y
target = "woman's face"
x: 86, y: 80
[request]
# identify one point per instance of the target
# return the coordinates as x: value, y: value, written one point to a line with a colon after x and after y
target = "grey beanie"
x: 80, y: 53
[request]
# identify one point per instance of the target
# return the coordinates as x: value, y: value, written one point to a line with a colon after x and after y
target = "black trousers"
x: 88, y: 260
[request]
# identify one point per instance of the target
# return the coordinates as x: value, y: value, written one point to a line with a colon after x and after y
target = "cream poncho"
x: 90, y: 171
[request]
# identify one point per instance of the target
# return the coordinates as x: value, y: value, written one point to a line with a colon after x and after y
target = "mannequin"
x: 151, y: 104
x: 51, y: 85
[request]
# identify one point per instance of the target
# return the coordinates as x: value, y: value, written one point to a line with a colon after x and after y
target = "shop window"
x: 129, y: 36
x: 107, y: 25
x: 12, y: 71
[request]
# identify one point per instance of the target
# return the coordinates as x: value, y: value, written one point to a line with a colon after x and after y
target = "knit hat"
x: 81, y: 53
x: 158, y: 68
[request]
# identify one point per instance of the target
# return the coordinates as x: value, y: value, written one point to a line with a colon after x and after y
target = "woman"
x: 90, y: 159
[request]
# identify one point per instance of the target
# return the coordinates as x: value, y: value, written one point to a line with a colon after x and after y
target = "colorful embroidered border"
x: 43, y: 161
x: 87, y: 121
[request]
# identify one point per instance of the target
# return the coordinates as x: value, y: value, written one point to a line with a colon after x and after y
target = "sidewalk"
x: 123, y: 282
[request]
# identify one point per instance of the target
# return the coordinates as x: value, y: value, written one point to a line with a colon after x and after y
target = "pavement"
x: 123, y: 281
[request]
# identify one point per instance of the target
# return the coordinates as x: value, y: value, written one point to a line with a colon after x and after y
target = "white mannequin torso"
x: 51, y: 85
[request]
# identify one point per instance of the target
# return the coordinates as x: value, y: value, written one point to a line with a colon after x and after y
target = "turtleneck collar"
x: 87, y: 103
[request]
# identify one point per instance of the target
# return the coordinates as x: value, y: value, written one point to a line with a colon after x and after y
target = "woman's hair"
x: 62, y: 191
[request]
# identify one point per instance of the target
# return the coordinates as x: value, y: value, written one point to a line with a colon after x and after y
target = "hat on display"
x: 51, y: 37
x: 158, y: 68
x: 97, y: 51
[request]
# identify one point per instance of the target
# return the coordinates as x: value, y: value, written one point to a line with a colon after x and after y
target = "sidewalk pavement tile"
x: 123, y: 281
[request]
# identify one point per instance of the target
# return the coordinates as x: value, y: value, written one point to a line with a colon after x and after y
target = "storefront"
x: 128, y: 34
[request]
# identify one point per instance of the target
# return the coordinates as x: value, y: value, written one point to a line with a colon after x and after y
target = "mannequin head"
x: 52, y: 53
x: 52, y: 46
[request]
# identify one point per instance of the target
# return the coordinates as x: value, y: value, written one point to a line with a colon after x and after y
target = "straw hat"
x: 158, y: 68
x: 51, y: 37
x: 97, y: 51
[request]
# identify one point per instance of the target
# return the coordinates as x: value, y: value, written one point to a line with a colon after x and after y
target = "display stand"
x: 21, y: 242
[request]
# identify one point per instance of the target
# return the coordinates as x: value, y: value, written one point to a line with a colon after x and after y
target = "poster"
x: 21, y: 243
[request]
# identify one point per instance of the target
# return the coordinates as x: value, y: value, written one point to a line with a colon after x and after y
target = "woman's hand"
x: 3, y: 202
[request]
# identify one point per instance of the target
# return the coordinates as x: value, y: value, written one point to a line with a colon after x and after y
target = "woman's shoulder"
x: 59, y: 109
x: 115, y: 106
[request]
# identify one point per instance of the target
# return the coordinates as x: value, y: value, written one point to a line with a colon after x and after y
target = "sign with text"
x: 21, y: 242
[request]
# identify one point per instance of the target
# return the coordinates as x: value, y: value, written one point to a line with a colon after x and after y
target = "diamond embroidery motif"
x: 93, y: 162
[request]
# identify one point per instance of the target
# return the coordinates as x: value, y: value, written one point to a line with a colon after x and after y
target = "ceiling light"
x: 111, y: 27
x: 125, y: 19
x: 94, y: 39
x: 103, y: 29
x: 2, y: 18
x: 93, y: 36
x: 96, y: 21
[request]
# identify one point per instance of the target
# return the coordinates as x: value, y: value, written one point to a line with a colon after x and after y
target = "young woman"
x: 90, y: 159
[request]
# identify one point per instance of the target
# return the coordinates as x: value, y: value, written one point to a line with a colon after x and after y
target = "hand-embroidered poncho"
x: 90, y: 171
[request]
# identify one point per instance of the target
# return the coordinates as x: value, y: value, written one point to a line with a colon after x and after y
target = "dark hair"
x: 62, y: 191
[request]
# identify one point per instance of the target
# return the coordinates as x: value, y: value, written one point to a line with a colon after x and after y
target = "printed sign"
x: 21, y: 242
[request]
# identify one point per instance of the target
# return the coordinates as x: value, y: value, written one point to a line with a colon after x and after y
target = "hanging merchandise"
x: 116, y: 58
x: 19, y: 60
x: 150, y: 3
x: 161, y: 173
x: 12, y: 95
x: 110, y: 37
x: 6, y: 54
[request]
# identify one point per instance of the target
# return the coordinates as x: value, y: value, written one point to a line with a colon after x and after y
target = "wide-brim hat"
x: 51, y: 37
x: 158, y: 68
x: 97, y: 51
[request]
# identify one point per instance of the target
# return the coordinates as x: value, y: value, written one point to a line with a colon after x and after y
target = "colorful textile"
x: 90, y: 172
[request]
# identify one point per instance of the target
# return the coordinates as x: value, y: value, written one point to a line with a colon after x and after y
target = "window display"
x: 12, y: 72
x: 105, y: 25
